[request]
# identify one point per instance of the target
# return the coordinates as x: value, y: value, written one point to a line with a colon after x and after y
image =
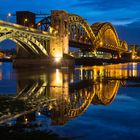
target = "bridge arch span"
x: 80, y: 30
x: 124, y: 45
x: 44, y: 24
x: 30, y: 44
x: 21, y: 41
x: 80, y: 34
x: 106, y: 36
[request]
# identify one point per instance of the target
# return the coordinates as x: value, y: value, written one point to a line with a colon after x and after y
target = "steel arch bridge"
x: 33, y: 41
x: 55, y: 33
x: 98, y: 36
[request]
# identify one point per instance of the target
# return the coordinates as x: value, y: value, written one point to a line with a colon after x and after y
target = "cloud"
x: 108, y: 5
x: 118, y: 12
x: 130, y: 33
x: 124, y: 14
x: 125, y: 21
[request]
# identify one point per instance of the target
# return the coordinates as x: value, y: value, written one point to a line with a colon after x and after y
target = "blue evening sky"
x: 124, y: 14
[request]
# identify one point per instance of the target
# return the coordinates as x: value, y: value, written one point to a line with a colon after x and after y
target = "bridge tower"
x: 59, y: 45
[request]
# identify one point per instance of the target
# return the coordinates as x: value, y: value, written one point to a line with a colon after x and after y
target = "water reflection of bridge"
x: 57, y: 95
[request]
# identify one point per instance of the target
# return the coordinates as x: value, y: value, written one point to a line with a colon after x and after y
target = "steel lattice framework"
x: 107, y: 37
x: 96, y: 36
x: 30, y: 39
x: 35, y: 41
x: 80, y: 30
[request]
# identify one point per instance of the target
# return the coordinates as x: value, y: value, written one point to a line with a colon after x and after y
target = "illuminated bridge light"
x: 102, y: 35
x: 101, y: 43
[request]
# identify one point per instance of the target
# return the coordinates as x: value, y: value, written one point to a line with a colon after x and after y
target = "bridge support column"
x: 94, y: 53
x: 59, y: 45
x: 119, y: 55
x: 112, y: 55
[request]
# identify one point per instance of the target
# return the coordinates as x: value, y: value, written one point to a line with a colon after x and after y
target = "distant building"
x: 133, y: 50
x: 133, y: 47
x: 25, y: 18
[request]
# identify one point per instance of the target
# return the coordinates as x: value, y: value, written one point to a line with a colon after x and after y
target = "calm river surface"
x: 86, y: 103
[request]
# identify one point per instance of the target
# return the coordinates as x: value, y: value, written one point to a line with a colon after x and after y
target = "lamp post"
x: 8, y: 15
x: 25, y: 21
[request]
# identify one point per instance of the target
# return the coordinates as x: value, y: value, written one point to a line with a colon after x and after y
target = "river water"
x: 85, y: 103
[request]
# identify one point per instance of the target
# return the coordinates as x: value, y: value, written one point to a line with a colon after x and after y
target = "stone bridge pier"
x: 60, y: 44
x: 56, y: 46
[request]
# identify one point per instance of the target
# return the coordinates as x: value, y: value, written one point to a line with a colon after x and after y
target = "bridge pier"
x: 59, y: 45
x: 116, y: 55
x: 119, y: 55
x: 42, y: 62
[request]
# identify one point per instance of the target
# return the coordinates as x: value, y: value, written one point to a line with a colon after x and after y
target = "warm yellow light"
x: 101, y: 43
x: 57, y: 76
x: 133, y: 56
x: 50, y: 29
x: 39, y: 24
x: 26, y: 119
x: 57, y: 59
x: 25, y: 20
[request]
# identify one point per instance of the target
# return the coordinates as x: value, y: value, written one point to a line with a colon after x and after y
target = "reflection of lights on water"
x: 38, y: 113
x: 114, y: 70
x: 57, y: 75
x: 134, y: 73
x: 75, y: 97
x: 81, y: 94
x: 134, y: 70
x: 26, y: 120
x: 134, y: 65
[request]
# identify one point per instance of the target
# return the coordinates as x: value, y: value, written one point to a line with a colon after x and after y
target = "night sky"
x: 124, y: 14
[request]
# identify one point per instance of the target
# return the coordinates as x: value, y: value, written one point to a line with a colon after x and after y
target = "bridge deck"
x: 7, y: 26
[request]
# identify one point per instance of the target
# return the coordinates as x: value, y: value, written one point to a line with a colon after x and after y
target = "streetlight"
x: 25, y: 21
x: 8, y: 15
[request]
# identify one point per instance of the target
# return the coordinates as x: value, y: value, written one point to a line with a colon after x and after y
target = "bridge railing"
x: 21, y: 27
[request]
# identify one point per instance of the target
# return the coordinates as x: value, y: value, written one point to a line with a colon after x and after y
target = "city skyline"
x: 123, y: 14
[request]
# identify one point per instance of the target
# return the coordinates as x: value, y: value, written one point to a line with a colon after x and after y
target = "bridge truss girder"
x: 30, y: 39
x: 97, y: 36
x: 79, y: 30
